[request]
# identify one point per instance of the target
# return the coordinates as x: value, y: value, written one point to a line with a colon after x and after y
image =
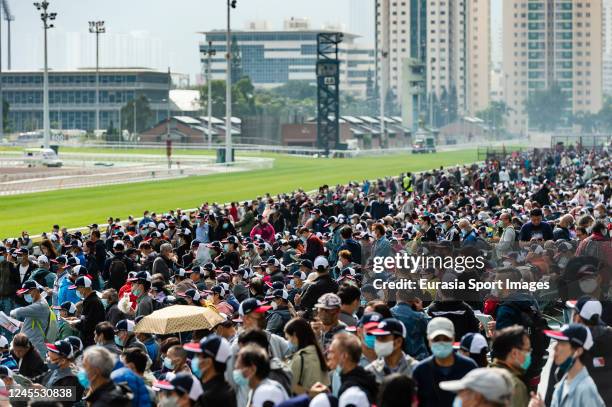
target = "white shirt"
x: 22, y: 271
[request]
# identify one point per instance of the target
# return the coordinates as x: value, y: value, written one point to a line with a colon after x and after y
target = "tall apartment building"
x: 451, y: 37
x: 274, y: 57
x: 607, y: 47
x: 548, y: 41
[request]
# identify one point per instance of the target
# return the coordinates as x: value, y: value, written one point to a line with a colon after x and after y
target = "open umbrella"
x: 179, y: 318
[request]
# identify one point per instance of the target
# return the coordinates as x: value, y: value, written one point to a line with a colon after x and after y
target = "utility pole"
x: 228, y: 85
x: 46, y: 17
x: 97, y: 27
x: 209, y: 52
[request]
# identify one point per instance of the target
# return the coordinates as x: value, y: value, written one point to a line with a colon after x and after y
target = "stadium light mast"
x: 228, y: 86
x: 209, y: 52
x: 384, y: 63
x: 46, y: 17
x: 97, y: 27
x: 9, y: 17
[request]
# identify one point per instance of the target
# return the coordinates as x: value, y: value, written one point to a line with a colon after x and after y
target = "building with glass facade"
x: 547, y: 42
x: 272, y: 58
x: 72, y: 97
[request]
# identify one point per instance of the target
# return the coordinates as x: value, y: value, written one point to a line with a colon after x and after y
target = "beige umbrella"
x: 179, y: 318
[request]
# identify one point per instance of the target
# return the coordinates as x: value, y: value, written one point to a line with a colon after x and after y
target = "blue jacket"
x: 66, y: 294
x: 416, y: 330
x: 582, y: 392
x: 382, y: 248
x: 135, y: 383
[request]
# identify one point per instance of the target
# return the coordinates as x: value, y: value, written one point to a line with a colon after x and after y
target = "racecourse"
x: 37, y: 212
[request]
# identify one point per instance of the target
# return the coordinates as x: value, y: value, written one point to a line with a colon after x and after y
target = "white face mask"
x: 588, y: 285
x: 274, y: 305
x: 383, y: 349
x: 598, y: 213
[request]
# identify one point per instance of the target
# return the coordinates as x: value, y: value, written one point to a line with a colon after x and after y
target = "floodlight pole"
x: 228, y: 86
x: 97, y: 27
x: 46, y: 17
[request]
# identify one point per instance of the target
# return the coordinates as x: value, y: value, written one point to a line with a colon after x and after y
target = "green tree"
x: 296, y: 90
x: 547, y: 108
x: 494, y: 115
x: 112, y: 133
x: 144, y: 114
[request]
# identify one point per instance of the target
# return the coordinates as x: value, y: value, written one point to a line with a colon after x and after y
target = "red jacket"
x: 266, y: 231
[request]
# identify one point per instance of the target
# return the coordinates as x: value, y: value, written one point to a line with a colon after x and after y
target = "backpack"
x: 117, y: 274
x: 51, y: 332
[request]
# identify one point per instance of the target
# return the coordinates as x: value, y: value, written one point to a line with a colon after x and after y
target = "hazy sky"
x: 172, y: 25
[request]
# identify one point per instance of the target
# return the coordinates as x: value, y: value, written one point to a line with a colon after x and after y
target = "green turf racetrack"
x: 79, y: 207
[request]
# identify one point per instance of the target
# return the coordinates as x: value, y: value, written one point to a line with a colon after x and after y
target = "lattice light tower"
x: 328, y: 91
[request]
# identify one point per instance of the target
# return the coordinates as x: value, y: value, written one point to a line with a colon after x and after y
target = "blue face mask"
x: 83, y: 379
x: 79, y: 294
x: 195, y: 367
x: 104, y: 302
x: 168, y: 363
x: 369, y: 341
x: 457, y: 402
x: 28, y: 298
x: 565, y: 366
x: 118, y: 341
x: 442, y: 350
x: 52, y: 366
x: 239, y: 378
x: 291, y: 347
x: 1, y: 259
x: 525, y: 365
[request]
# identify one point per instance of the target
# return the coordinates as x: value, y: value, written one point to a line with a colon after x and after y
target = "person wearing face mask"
x: 176, y: 360
x: 98, y: 364
x: 279, y: 315
x: 125, y: 336
x: 443, y: 365
x: 93, y: 310
x: 141, y: 285
x: 482, y: 387
x: 209, y: 365
x: 577, y: 388
x: 343, y: 357
x: 511, y: 351
x: 104, y: 335
x: 66, y: 311
x: 35, y: 316
x: 61, y: 373
x: 252, y: 315
x: 368, y: 322
x: 251, y: 371
x: 182, y: 391
x: 390, y: 335
x: 218, y: 294
x: 505, y: 242
x: 587, y: 311
x: 307, y: 362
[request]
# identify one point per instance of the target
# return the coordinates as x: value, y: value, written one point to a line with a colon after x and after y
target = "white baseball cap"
x: 494, y: 384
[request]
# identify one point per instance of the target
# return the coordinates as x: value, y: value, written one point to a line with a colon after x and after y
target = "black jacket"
x: 110, y: 394
x: 323, y: 284
x: 361, y: 378
x: 93, y: 313
x: 32, y: 364
x: 461, y: 315
x: 217, y: 392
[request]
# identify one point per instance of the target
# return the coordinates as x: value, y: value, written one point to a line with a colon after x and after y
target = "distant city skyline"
x: 156, y: 34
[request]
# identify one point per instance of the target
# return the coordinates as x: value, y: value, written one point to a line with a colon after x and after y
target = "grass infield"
x: 37, y: 212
